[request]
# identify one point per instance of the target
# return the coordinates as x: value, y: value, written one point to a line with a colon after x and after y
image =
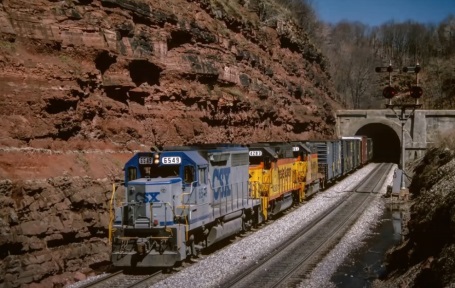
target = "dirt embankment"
x: 427, y: 256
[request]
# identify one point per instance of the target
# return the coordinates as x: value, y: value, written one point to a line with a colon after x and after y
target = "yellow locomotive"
x: 279, y: 173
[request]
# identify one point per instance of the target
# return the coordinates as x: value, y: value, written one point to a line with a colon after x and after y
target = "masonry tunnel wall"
x: 421, y: 129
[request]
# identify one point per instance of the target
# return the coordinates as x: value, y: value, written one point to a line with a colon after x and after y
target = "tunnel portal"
x: 386, y: 143
x: 422, y: 128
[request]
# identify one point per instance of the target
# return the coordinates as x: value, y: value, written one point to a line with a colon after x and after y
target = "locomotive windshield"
x: 256, y: 160
x: 148, y: 171
x: 256, y: 157
x: 259, y: 160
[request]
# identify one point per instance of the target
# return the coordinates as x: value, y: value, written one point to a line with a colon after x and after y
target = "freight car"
x: 369, y: 150
x: 347, y: 156
x: 363, y: 148
x: 339, y: 157
x: 179, y: 200
x: 329, y: 159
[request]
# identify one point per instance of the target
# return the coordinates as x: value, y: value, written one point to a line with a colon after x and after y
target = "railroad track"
x: 120, y: 279
x: 288, y: 266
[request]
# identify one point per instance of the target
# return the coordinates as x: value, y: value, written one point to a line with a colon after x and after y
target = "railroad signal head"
x: 389, y: 92
x: 416, y: 92
x: 384, y: 69
x: 412, y: 69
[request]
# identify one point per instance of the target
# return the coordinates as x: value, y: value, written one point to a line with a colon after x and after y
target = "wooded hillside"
x: 355, y: 49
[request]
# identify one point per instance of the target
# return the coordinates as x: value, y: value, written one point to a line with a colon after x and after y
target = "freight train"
x: 179, y: 200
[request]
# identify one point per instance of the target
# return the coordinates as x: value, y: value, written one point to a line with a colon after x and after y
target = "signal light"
x: 384, y: 69
x: 416, y: 92
x: 412, y: 69
x: 389, y: 92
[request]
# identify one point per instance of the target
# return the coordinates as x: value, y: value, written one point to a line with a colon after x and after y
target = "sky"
x: 377, y: 12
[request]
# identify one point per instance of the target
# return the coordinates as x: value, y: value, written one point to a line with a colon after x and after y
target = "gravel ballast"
x: 321, y: 274
x: 218, y: 267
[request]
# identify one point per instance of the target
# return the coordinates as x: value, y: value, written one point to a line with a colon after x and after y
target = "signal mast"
x: 389, y: 92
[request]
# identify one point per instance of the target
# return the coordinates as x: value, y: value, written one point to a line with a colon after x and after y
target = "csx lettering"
x: 151, y: 197
x: 221, y: 183
x: 284, y: 173
x: 148, y: 197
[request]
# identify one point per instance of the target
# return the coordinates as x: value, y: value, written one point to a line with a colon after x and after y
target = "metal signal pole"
x: 415, y: 92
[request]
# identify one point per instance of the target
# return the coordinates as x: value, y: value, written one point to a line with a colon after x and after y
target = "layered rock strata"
x: 86, y: 82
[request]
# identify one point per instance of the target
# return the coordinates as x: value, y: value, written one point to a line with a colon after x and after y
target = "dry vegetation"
x: 355, y: 49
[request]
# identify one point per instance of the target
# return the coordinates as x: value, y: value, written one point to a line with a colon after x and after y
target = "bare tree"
x: 360, y: 79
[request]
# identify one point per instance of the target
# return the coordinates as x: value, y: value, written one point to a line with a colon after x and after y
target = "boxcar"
x: 347, y: 155
x: 329, y: 158
x: 361, y: 149
x: 369, y: 149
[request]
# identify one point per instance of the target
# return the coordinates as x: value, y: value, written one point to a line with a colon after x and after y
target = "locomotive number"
x: 295, y: 148
x: 145, y: 160
x: 171, y: 160
x: 255, y: 153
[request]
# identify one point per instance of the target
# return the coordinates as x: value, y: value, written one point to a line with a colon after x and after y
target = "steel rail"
x: 246, y: 273
x: 120, y: 279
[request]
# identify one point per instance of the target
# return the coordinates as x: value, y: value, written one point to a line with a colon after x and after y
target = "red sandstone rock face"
x: 84, y: 82
x: 121, y: 71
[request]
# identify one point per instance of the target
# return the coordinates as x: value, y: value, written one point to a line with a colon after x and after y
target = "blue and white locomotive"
x: 179, y: 200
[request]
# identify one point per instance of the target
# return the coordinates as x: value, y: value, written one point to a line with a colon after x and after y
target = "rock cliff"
x: 86, y: 82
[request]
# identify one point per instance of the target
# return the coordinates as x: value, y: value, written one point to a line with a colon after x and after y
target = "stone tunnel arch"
x: 421, y: 128
x: 386, y: 143
x: 386, y: 136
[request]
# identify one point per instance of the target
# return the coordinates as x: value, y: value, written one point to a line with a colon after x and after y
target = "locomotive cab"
x: 179, y: 200
x: 151, y: 222
x: 156, y: 185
